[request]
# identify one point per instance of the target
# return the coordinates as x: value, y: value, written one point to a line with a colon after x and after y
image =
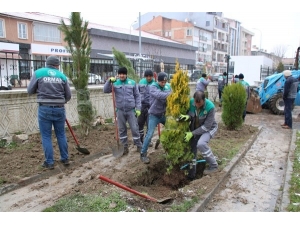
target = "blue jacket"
x: 202, y: 84
x: 158, y: 98
x: 51, y: 86
x: 126, y: 92
x: 144, y: 89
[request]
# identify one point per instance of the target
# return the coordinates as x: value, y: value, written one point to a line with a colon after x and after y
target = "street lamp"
x: 260, y: 37
x: 130, y: 37
x: 227, y: 57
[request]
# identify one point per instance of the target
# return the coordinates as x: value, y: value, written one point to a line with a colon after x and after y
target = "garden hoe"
x: 82, y: 150
x: 162, y: 201
x: 118, y: 150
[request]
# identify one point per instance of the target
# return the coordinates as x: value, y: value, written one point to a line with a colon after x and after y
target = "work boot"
x: 125, y: 150
x: 144, y: 158
x: 65, y: 162
x: 48, y: 166
x: 138, y: 148
x: 210, y: 171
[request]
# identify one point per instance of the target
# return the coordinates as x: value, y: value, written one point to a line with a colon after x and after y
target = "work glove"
x: 188, y: 136
x: 112, y: 79
x: 137, y: 113
x: 184, y: 117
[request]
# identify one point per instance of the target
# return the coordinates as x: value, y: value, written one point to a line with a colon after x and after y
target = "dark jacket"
x: 51, y: 86
x: 144, y: 89
x: 290, y: 87
x: 206, y: 118
x: 127, y: 94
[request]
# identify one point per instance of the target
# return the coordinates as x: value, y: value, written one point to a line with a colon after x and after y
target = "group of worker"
x: 138, y: 104
x: 145, y: 103
x: 203, y: 82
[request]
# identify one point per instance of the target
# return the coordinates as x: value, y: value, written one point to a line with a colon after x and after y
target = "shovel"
x: 158, y: 140
x: 118, y: 150
x: 186, y: 166
x: 162, y: 201
x: 82, y: 150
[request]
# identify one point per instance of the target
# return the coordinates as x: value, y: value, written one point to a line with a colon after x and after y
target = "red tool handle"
x: 158, y: 129
x: 127, y: 188
x: 115, y: 114
x: 70, y: 128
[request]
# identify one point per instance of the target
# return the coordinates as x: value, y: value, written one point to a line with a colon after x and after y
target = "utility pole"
x: 140, y: 46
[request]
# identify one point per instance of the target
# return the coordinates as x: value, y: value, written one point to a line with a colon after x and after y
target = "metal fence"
x: 266, y: 71
x: 17, y: 69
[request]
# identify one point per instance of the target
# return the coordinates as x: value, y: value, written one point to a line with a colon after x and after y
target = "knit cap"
x: 52, y: 60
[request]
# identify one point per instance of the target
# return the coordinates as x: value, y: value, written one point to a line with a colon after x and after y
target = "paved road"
x: 256, y: 182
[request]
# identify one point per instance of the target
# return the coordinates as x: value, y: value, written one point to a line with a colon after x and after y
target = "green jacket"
x: 204, y: 120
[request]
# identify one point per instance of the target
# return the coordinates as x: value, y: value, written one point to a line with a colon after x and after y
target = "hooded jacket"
x: 158, y: 99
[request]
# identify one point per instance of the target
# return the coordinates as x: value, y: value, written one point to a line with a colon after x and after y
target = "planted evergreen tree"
x: 234, y: 100
x: 172, y: 137
x: 124, y: 62
x: 280, y: 67
x: 79, y: 45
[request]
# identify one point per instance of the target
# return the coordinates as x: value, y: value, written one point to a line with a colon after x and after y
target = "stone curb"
x: 285, y: 199
x: 199, y: 207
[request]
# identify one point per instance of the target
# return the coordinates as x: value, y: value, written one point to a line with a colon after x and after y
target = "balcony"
x: 202, y: 38
x: 220, y: 49
x: 202, y: 49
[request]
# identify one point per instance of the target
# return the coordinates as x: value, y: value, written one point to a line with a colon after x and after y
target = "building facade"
x: 246, y: 42
x: 27, y: 39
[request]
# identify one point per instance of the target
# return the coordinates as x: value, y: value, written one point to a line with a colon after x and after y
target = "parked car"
x: 195, y: 75
x: 230, y: 77
x: 215, y: 76
x: 94, y: 79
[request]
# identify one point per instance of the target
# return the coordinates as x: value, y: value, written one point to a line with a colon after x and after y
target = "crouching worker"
x: 203, y: 127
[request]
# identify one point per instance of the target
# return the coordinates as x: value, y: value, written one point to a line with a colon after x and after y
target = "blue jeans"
x: 288, y: 104
x: 152, y: 123
x: 57, y: 117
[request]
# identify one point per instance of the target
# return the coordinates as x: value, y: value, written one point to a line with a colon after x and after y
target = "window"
x: 22, y: 30
x: 207, y: 23
x: 189, y: 32
x: 46, y: 32
x: 2, y: 29
x: 168, y: 34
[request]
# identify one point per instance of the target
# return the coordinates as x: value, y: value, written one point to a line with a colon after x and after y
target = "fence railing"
x: 17, y: 71
x: 266, y: 71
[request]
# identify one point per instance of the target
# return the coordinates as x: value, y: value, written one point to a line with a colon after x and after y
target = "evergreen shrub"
x: 234, y: 100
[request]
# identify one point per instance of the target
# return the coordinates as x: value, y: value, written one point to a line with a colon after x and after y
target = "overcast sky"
x: 274, y: 26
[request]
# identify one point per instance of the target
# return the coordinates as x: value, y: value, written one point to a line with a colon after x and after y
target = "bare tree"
x: 280, y: 50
